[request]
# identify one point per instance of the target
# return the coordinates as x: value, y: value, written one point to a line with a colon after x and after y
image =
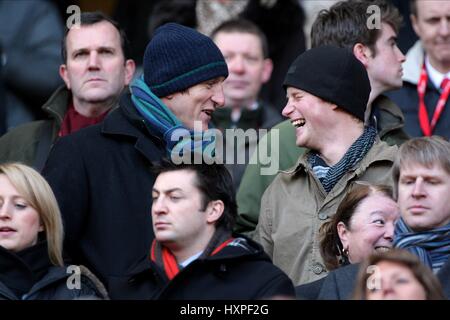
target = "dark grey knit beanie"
x: 179, y: 57
x: 334, y: 75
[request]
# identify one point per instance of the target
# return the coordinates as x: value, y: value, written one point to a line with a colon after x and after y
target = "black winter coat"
x: 235, y: 272
x: 407, y: 99
x: 102, y: 180
x: 29, y: 275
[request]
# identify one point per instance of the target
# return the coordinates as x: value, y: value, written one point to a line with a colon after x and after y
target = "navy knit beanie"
x: 178, y: 58
x: 334, y: 75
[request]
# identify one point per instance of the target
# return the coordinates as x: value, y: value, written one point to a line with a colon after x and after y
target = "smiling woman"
x: 31, y: 235
x: 364, y: 223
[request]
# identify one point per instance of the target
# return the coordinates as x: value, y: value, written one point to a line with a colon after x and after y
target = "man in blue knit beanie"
x: 102, y: 176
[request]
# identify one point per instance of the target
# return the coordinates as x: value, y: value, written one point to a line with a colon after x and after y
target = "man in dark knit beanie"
x: 102, y: 176
x: 327, y: 90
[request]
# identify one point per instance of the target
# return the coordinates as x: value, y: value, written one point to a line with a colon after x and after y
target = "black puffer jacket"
x: 29, y: 275
x: 241, y: 270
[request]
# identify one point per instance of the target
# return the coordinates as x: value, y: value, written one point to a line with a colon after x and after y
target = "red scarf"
x: 425, y: 125
x: 74, y: 121
x: 165, y: 259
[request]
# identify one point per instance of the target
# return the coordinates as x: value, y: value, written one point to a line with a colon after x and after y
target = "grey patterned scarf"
x: 329, y: 176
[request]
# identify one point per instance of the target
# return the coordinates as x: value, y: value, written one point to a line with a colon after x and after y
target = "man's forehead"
x: 432, y: 8
x: 180, y: 179
x: 411, y: 168
x: 102, y: 33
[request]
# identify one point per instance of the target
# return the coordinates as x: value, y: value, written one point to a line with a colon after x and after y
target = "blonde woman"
x: 31, y: 235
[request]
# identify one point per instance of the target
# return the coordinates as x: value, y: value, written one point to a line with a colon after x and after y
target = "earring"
x: 343, y: 256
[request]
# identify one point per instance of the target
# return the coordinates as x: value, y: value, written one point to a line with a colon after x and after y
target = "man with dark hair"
x: 100, y: 174
x: 343, y: 25
x: 426, y: 86
x: 328, y: 89
x: 194, y: 254
x: 95, y: 72
x: 244, y: 47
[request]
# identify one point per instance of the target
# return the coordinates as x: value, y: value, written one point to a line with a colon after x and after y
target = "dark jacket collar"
x: 246, y: 248
x: 20, y: 271
x: 126, y: 121
x: 56, y: 106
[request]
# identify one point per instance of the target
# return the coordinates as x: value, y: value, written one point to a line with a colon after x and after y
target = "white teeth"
x: 298, y: 123
x: 382, y: 249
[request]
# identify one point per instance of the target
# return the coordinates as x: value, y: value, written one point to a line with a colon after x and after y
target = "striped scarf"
x: 162, y: 122
x: 432, y: 246
x: 329, y: 176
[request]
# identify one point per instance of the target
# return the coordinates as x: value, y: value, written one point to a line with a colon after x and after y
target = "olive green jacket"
x: 21, y: 143
x: 283, y: 154
x: 295, y: 205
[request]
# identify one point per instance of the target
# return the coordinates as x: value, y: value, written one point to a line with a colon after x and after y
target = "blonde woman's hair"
x: 37, y: 192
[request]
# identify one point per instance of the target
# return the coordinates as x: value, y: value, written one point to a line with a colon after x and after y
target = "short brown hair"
x: 91, y: 18
x: 345, y: 24
x: 241, y: 25
x: 331, y: 247
x: 423, y: 274
x: 426, y: 151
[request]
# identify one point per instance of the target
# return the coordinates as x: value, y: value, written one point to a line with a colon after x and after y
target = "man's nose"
x: 237, y: 65
x: 94, y: 62
x: 418, y: 189
x: 218, y: 96
x: 287, y: 110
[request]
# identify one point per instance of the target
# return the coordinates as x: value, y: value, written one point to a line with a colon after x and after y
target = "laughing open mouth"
x: 298, y: 122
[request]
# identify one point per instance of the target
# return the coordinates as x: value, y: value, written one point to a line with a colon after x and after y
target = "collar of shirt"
x: 186, y: 262
x: 435, y: 76
x: 236, y: 113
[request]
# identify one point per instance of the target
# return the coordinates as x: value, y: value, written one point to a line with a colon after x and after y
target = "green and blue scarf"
x: 162, y: 122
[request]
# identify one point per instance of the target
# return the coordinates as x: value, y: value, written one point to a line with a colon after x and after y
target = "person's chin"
x: 97, y: 95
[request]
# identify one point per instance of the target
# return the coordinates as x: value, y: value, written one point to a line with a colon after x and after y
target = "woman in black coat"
x: 31, y: 235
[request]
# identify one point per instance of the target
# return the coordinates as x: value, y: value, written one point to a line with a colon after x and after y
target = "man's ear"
x: 214, y: 211
x: 362, y: 53
x: 130, y: 68
x: 414, y: 24
x: 343, y: 234
x: 267, y: 70
x: 63, y: 74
